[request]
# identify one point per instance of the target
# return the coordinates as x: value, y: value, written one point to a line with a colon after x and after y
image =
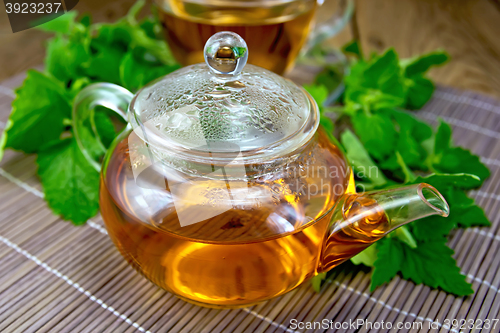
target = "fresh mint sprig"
x: 128, y: 52
x: 401, y: 149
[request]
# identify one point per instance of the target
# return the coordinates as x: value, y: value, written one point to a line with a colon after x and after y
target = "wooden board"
x: 469, y: 30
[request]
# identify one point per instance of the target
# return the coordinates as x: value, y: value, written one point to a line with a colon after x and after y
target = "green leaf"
x: 38, y: 113
x: 331, y: 77
x: 443, y: 138
x: 361, y: 161
x: 134, y: 11
x: 421, y: 64
x: 377, y: 133
x: 459, y: 160
x: 86, y: 20
x: 420, y: 90
x: 444, y: 181
x: 64, y: 24
x: 318, y: 92
x: 447, y: 159
x: 135, y: 73
x: 327, y: 123
x: 389, y: 261
x: 366, y: 257
x: 463, y: 210
x: 442, y: 273
x: 104, y: 64
x: 353, y: 48
x: 409, y: 175
x: 433, y: 227
x: 405, y: 236
x: 105, y: 128
x: 415, y: 264
x: 383, y: 73
x: 419, y: 130
x: 65, y: 57
x: 70, y: 183
x: 317, y: 280
x: 127, y: 34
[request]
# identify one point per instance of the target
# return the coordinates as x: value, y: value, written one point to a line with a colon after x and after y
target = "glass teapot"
x: 222, y: 189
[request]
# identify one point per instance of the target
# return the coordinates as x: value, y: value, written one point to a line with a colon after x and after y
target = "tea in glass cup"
x: 274, y: 31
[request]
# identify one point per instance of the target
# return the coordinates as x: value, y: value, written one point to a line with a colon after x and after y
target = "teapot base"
x: 219, y: 306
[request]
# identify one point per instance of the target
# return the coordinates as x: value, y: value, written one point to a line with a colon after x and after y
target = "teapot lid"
x: 224, y: 106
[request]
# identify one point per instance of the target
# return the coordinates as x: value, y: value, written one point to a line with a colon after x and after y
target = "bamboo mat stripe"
x: 56, y: 277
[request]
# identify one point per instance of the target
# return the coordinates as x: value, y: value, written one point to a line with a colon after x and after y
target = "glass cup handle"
x: 108, y: 95
x: 328, y: 24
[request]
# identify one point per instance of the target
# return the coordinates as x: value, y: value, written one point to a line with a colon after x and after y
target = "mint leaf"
x: 423, y: 63
x: 327, y: 123
x: 409, y: 175
x: 105, y: 128
x: 420, y: 90
x: 63, y: 24
x: 444, y: 181
x: 318, y: 92
x: 463, y: 211
x: 419, y: 130
x: 65, y: 57
x: 353, y: 48
x: 317, y: 281
x: 383, y: 73
x: 447, y: 159
x: 459, y: 160
x: 376, y: 132
x: 331, y: 77
x: 70, y: 183
x: 414, y: 264
x: 104, y: 63
x: 443, y: 138
x: 136, y: 72
x: 366, y: 257
x: 433, y: 227
x: 389, y: 261
x: 375, y: 84
x: 34, y: 122
x: 361, y: 161
x: 443, y: 273
x: 405, y: 236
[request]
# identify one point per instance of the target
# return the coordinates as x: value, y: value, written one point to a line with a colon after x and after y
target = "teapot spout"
x: 359, y: 220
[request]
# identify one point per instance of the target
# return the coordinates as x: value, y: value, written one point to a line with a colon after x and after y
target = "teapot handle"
x: 108, y: 95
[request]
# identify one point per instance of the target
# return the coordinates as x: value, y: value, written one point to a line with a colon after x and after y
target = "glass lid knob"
x: 226, y: 53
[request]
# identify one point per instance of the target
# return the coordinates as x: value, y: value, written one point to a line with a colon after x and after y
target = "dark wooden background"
x: 468, y: 29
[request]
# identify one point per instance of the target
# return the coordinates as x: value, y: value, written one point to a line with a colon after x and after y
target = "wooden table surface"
x: 468, y: 29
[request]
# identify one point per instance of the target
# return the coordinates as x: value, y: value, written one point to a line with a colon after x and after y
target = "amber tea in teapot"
x: 223, y: 190
x: 237, y: 255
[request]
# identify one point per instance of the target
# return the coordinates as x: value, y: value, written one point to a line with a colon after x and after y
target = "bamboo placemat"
x: 55, y: 277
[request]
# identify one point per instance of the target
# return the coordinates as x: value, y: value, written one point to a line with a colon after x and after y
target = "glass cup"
x: 276, y: 31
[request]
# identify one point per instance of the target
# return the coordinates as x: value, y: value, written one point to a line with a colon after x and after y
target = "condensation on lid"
x: 223, y: 105
x: 195, y: 109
